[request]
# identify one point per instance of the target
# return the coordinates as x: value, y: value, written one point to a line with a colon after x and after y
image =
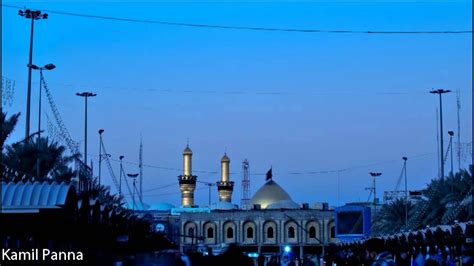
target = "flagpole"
x: 269, y: 174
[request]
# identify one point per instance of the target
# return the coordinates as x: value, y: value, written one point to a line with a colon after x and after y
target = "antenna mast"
x: 140, y: 165
x: 245, y: 185
x: 458, y: 103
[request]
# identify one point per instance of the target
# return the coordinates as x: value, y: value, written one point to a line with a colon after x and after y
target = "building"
x: 274, y: 223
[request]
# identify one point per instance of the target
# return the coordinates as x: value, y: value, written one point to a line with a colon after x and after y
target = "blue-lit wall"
x: 366, y: 221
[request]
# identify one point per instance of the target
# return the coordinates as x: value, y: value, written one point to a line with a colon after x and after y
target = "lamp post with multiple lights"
x: 35, y: 67
x: 33, y: 15
x: 134, y: 177
x: 374, y: 175
x: 451, y: 134
x: 441, y: 92
x: 86, y: 95
x: 45, y: 67
x: 121, y: 171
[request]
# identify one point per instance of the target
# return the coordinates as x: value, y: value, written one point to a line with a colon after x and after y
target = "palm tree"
x: 457, y: 203
x: 391, y: 218
x: 101, y: 192
x: 23, y: 156
x: 8, y: 125
x: 445, y: 199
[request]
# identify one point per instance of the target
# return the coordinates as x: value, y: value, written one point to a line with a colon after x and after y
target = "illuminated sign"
x: 178, y: 211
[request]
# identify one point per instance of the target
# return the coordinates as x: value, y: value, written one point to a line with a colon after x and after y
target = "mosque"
x: 272, y: 225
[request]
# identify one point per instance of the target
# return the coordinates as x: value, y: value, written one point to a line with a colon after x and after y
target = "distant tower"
x: 225, y: 186
x: 187, y: 181
x: 245, y: 185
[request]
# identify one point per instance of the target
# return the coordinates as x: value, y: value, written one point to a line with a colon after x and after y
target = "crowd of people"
x: 438, y: 246
x: 442, y: 245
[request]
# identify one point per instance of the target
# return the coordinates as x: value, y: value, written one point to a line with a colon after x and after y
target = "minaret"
x: 187, y: 181
x: 225, y: 186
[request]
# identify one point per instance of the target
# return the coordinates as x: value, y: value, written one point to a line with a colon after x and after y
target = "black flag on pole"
x: 269, y: 174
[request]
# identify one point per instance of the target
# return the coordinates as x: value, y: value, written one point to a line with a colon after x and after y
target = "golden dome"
x: 225, y: 158
x: 187, y: 151
x: 272, y: 194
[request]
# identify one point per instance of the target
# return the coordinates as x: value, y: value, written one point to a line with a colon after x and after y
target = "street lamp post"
x: 85, y: 95
x: 33, y: 15
x: 375, y: 191
x: 100, y: 153
x: 451, y: 134
x: 35, y: 67
x: 45, y: 67
x: 120, y: 177
x: 406, y: 190
x: 441, y: 92
x: 134, y: 177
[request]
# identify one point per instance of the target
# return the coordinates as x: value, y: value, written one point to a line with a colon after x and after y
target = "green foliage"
x: 444, y: 201
x: 23, y: 157
x: 445, y: 196
x: 8, y: 125
x: 54, y: 164
x: 103, y: 194
x: 391, y: 218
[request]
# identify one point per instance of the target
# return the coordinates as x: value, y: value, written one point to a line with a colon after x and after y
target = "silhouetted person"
x: 403, y: 259
x: 273, y: 261
x: 261, y: 260
x: 169, y: 258
x: 308, y: 262
x: 292, y: 263
x: 376, y: 254
x: 285, y: 260
x: 468, y: 247
x: 234, y: 256
x: 431, y: 262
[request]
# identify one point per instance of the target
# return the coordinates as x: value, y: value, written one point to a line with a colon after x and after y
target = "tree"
x: 444, y: 201
x: 8, y: 125
x: 54, y: 164
x: 391, y: 217
x: 105, y: 197
x: 444, y: 195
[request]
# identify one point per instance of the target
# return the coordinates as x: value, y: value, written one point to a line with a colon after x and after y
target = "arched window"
x: 270, y: 232
x: 312, y: 232
x: 333, y: 232
x: 230, y: 232
x: 210, y: 232
x: 250, y: 232
x: 191, y: 232
x: 291, y: 232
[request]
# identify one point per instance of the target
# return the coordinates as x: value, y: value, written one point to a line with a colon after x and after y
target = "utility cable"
x: 250, y: 28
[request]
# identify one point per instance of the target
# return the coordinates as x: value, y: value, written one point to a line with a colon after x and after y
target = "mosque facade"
x: 274, y: 222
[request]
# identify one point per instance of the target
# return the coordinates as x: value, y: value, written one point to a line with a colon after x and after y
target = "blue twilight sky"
x: 300, y: 102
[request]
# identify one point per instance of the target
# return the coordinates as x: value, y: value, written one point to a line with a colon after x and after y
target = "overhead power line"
x: 168, y: 193
x: 348, y: 169
x: 251, y: 91
x: 251, y: 28
x: 161, y: 187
